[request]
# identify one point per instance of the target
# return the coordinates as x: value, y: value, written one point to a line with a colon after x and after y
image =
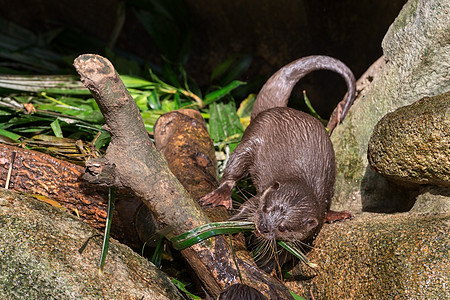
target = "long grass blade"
x: 56, y: 84
x: 206, y: 231
x: 182, y: 287
x: 56, y: 127
x: 291, y: 248
x: 111, y: 200
x: 216, y: 95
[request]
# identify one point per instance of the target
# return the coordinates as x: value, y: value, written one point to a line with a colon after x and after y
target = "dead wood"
x: 133, y: 161
x: 182, y: 137
x: 41, y: 174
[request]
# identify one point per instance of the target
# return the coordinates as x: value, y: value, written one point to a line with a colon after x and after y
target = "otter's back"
x: 290, y: 144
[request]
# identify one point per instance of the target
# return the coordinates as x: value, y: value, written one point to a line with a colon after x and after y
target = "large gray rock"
x: 411, y: 146
x: 379, y: 256
x: 40, y: 258
x: 432, y: 200
x: 417, y: 54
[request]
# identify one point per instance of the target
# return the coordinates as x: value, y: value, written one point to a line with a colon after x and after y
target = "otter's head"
x: 285, y: 211
x: 288, y: 211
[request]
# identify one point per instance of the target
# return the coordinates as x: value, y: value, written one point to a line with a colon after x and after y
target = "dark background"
x: 269, y: 33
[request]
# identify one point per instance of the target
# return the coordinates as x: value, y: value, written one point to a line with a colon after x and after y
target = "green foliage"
x: 224, y: 126
x: 111, y: 201
x: 182, y: 286
x: 222, y: 92
x: 206, y: 231
x: 296, y: 297
x: 312, y: 111
x: 292, y: 248
x: 60, y: 106
x: 56, y: 128
x: 158, y: 252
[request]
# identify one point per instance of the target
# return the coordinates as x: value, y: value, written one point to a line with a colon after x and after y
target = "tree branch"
x: 133, y: 161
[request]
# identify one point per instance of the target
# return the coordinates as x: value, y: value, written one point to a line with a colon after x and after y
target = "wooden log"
x: 181, y: 136
x: 41, y: 174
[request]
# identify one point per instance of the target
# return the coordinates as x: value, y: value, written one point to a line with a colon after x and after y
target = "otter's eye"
x: 281, y: 228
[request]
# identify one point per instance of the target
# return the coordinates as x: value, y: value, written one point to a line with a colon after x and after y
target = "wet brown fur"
x: 289, y: 157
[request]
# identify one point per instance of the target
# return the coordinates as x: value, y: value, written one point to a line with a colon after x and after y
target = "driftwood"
x: 182, y: 137
x: 34, y: 172
x: 133, y: 161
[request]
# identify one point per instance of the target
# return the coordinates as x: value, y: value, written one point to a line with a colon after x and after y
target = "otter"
x: 290, y: 159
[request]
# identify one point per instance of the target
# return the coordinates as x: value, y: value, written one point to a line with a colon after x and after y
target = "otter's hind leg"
x: 332, y: 216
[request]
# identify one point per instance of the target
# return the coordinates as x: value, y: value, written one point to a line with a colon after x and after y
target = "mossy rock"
x: 40, y: 258
x: 411, y: 146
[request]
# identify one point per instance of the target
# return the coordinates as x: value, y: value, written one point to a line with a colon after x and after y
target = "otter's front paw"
x: 220, y: 196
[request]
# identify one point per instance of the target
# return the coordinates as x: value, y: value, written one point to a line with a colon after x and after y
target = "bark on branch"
x: 132, y: 161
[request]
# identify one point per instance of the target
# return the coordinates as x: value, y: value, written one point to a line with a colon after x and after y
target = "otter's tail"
x: 276, y: 91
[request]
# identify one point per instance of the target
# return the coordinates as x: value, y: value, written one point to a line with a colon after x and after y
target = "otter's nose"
x: 263, y: 228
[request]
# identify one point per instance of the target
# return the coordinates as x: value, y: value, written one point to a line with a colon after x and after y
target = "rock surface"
x: 40, y: 258
x: 379, y: 256
x: 432, y: 200
x: 411, y: 146
x: 417, y: 54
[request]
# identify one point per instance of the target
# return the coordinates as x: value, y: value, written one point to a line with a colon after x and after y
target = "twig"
x: 11, y: 163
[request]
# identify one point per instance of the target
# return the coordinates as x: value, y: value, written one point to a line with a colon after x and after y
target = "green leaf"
x: 102, y: 139
x: 246, y: 106
x: 10, y: 135
x: 176, y: 101
x: 150, y: 117
x: 136, y: 82
x: 141, y: 101
x: 55, y: 84
x: 168, y: 105
x: 291, y: 248
x: 206, y: 231
x: 312, y: 111
x: 56, y: 128
x: 296, y: 297
x: 224, y: 124
x: 157, y: 254
x: 182, y: 287
x: 153, y: 101
x: 216, y: 95
x: 111, y: 200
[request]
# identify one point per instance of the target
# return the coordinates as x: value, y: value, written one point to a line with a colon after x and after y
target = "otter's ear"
x: 311, y: 223
x: 271, y: 188
x: 276, y: 185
